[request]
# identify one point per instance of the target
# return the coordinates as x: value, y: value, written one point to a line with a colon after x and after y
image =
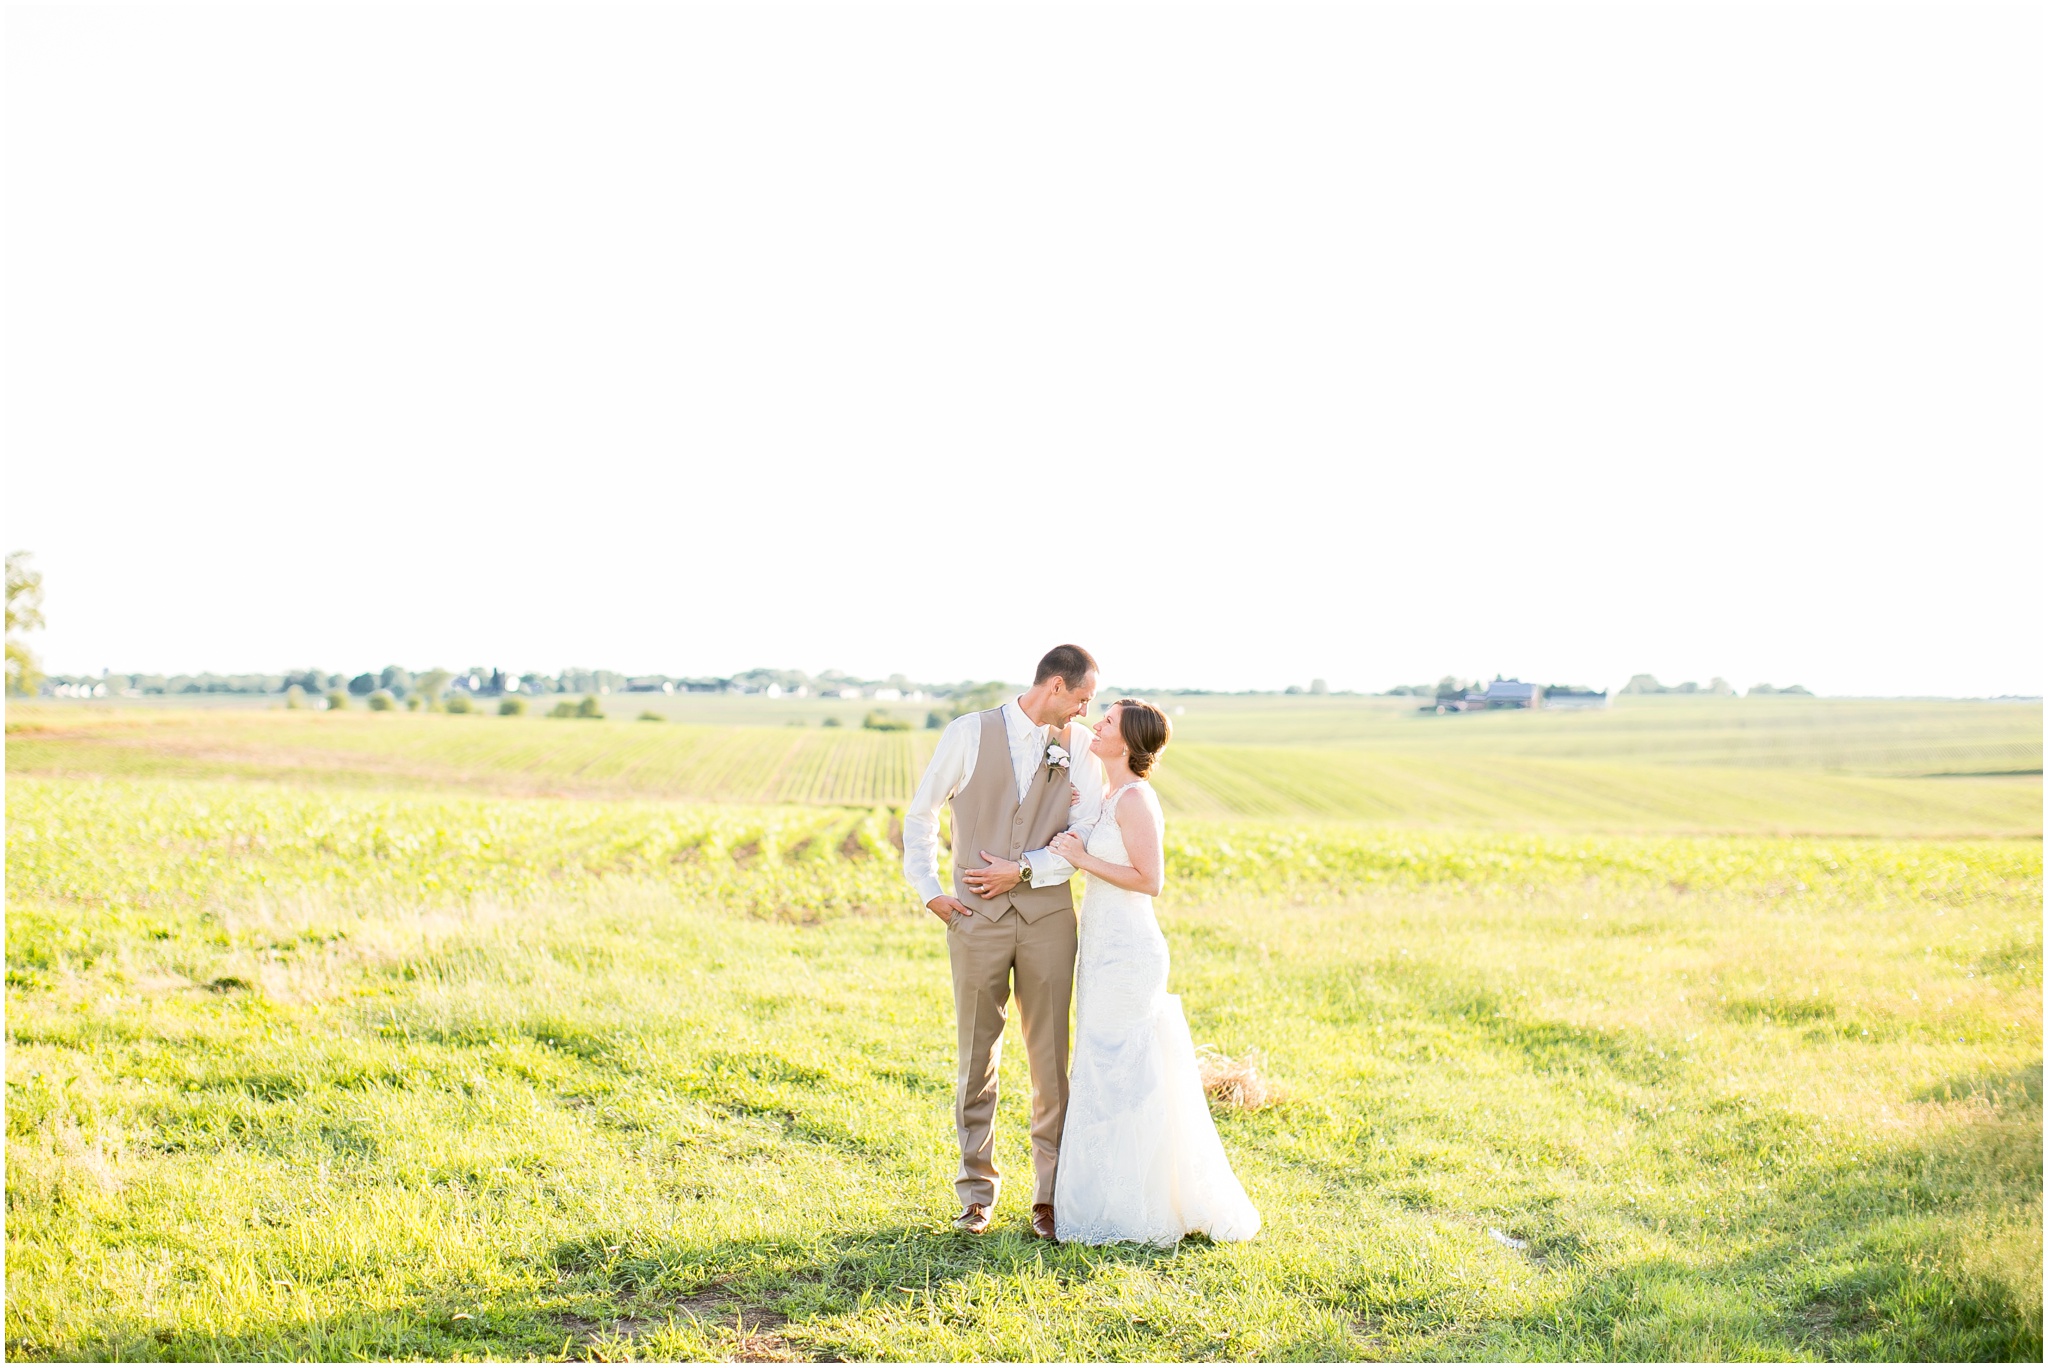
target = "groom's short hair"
x: 1069, y: 662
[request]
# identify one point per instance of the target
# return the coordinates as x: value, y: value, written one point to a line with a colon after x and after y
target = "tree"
x: 980, y: 698
x: 429, y: 686
x: 24, y: 614
x: 363, y: 685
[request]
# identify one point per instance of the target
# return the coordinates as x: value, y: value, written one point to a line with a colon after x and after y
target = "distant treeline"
x: 490, y: 682
x: 1454, y: 686
x: 1457, y: 686
x: 484, y: 681
x: 1647, y: 684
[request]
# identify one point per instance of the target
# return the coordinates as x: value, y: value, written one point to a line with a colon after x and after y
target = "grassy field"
x: 1533, y: 771
x: 1904, y: 737
x: 1897, y: 737
x: 367, y: 1048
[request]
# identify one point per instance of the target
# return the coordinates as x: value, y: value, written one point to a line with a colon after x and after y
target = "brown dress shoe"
x: 974, y: 1220
x: 1041, y: 1222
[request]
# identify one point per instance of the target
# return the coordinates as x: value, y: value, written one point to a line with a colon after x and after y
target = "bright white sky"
x: 1243, y: 346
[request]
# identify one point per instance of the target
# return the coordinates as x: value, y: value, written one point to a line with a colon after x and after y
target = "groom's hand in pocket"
x: 945, y: 908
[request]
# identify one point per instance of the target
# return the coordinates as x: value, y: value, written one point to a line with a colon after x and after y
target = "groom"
x: 1010, y: 915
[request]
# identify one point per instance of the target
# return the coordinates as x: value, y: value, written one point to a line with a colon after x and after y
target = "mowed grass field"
x: 331, y: 1038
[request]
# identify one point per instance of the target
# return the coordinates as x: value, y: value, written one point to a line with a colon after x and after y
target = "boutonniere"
x: 1056, y: 761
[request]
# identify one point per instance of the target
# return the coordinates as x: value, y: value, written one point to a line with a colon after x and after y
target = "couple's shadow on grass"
x: 601, y: 1293
x: 766, y: 1283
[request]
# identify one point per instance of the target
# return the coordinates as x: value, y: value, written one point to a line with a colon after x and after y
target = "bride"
x: 1139, y: 1158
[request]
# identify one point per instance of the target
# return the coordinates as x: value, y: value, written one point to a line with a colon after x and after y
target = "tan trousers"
x: 986, y: 951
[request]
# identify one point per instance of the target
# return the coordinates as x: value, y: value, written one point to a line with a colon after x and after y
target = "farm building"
x: 1513, y: 693
x: 1560, y: 696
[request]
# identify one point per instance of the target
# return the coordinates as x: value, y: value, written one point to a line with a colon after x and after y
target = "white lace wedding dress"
x: 1139, y: 1158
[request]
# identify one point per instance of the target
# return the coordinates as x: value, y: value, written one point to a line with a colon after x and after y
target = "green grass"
x: 333, y: 1073
x: 1454, y: 771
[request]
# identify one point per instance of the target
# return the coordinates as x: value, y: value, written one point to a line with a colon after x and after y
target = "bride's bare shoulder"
x: 1137, y: 803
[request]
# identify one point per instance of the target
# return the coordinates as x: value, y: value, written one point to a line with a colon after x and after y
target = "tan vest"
x: 987, y: 816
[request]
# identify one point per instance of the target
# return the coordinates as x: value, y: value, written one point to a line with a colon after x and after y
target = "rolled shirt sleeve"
x: 943, y: 777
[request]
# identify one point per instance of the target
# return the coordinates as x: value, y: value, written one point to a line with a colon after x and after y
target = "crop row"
x: 139, y: 844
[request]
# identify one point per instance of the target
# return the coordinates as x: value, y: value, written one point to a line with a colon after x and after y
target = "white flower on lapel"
x: 1056, y: 759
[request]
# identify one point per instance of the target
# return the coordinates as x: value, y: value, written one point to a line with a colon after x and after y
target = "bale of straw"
x: 1240, y: 1084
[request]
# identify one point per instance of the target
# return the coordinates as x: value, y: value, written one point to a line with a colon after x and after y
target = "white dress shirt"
x: 953, y: 765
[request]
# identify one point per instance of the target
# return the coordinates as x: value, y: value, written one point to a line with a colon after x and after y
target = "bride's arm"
x: 1146, y: 873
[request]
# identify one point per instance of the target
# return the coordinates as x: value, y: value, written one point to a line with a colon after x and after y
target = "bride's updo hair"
x: 1145, y: 731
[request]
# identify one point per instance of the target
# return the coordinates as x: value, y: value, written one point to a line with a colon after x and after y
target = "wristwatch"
x: 1024, y: 872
